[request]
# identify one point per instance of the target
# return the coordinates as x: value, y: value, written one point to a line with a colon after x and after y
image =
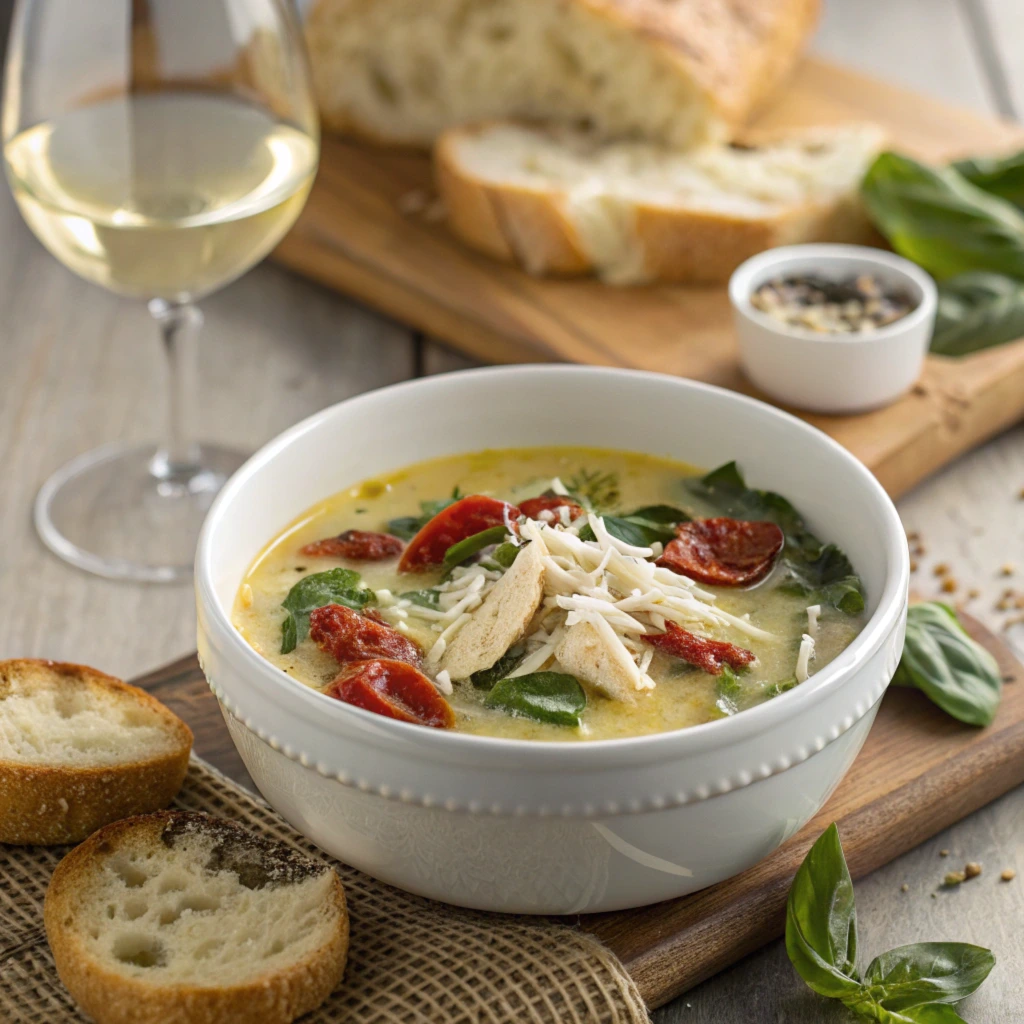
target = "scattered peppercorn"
x: 904, y: 887
x: 1020, y: 494
x: 943, y: 853
x: 954, y: 878
x: 948, y: 585
x: 941, y: 569
x: 913, y: 565
x: 1008, y: 875
x: 1007, y: 569
x: 972, y: 869
x: 973, y: 592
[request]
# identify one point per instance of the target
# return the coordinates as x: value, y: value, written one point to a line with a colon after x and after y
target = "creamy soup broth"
x: 684, y: 695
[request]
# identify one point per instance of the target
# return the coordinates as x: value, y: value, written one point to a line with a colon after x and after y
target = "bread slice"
x: 501, y: 620
x: 585, y: 654
x: 402, y: 71
x: 79, y: 749
x: 174, y: 918
x: 558, y: 202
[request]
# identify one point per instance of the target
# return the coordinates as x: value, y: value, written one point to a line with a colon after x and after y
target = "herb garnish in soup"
x: 552, y: 594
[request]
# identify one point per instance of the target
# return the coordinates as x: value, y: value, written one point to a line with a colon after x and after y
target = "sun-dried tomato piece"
x: 467, y: 516
x: 393, y: 689
x: 357, y: 545
x: 532, y: 507
x: 723, y: 552
x: 701, y: 651
x: 352, y: 636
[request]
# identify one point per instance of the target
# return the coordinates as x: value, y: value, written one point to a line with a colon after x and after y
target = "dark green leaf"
x: 728, y: 691
x: 783, y: 686
x: 978, y: 311
x: 927, y: 972
x: 551, y: 697
x: 424, y: 598
x: 505, y: 554
x: 335, y: 586
x: 469, y: 546
x: 829, y: 576
x: 937, y: 218
x: 927, y: 1013
x: 665, y: 515
x: 821, y: 920
x: 594, y: 489
x: 404, y: 527
x: 1001, y: 176
x: 487, y: 677
x: 954, y: 671
x: 625, y: 530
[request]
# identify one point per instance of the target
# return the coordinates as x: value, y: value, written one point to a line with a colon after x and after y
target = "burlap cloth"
x: 410, y: 960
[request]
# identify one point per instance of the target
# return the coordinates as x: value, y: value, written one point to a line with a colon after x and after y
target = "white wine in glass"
x: 159, y: 150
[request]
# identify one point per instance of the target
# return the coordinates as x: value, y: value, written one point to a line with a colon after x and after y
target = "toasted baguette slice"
x: 79, y: 749
x: 174, y: 918
x: 402, y: 71
x: 560, y: 203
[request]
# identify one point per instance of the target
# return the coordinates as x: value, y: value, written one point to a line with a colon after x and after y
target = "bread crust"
x: 46, y: 805
x: 733, y: 53
x: 529, y: 226
x: 112, y: 998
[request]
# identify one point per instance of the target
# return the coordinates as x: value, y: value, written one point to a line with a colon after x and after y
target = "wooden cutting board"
x: 919, y: 772
x: 353, y: 236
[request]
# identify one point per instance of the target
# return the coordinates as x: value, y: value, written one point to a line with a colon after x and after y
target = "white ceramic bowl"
x: 554, y: 828
x: 832, y: 373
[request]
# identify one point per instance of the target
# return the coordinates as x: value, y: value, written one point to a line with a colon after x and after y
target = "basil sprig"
x: 1001, y: 176
x: 820, y: 572
x: 955, y: 671
x: 912, y: 984
x: 551, y: 697
x: 335, y: 586
x: 977, y: 311
x: 406, y: 527
x: 642, y: 527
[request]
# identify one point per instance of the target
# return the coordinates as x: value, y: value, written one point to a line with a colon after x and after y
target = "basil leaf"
x: 643, y: 527
x: 424, y: 598
x: 937, y: 218
x: 821, y: 920
x: 783, y: 686
x: 728, y: 690
x: 335, y: 586
x: 953, y: 670
x: 978, y: 311
x: 551, y: 697
x: 406, y: 527
x: 469, y: 546
x: 594, y: 489
x: 667, y: 515
x: 806, y: 566
x: 927, y: 1013
x: 999, y: 176
x: 487, y: 677
x: 505, y: 554
x: 927, y: 972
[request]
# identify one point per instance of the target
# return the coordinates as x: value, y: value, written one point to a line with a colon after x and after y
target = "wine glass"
x: 159, y: 148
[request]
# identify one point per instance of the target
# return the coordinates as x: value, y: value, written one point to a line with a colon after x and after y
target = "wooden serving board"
x: 352, y: 236
x: 919, y: 772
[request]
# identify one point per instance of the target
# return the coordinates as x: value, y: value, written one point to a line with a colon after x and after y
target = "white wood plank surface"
x: 1006, y: 20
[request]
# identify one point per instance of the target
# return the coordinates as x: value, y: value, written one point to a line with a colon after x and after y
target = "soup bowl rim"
x: 313, y: 705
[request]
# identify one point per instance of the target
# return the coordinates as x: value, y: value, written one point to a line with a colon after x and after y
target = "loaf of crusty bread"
x: 79, y: 749
x: 174, y: 918
x: 678, y: 72
x: 559, y: 202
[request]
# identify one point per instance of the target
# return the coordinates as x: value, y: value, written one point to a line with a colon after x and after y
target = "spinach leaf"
x: 908, y: 985
x: 728, y: 691
x: 469, y: 546
x: 487, y: 677
x: 937, y: 218
x: 821, y: 920
x: 978, y: 311
x: 335, y: 586
x: 406, y: 527
x: 953, y: 670
x: 782, y: 686
x: 551, y: 697
x: 425, y: 598
x: 643, y: 527
x: 927, y: 972
x: 594, y: 489
x: 999, y: 176
x: 806, y: 566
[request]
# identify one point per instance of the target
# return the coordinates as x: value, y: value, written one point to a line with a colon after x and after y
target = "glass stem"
x: 178, y: 458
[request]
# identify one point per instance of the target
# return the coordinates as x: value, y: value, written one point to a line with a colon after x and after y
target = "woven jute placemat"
x: 410, y: 960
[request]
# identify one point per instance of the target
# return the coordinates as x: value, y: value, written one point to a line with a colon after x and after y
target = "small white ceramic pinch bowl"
x: 832, y: 373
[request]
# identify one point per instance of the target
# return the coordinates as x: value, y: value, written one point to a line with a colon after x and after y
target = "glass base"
x: 128, y: 513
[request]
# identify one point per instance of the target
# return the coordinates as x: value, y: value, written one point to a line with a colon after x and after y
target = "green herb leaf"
x: 927, y: 972
x: 424, y: 598
x: 978, y: 311
x: 953, y: 670
x: 927, y: 1013
x: 406, y: 527
x: 999, y: 176
x: 941, y: 221
x: 505, y: 554
x: 783, y: 686
x: 728, y: 690
x: 643, y: 527
x: 487, y: 677
x: 335, y: 586
x: 551, y: 697
x: 821, y: 920
x: 594, y: 489
x: 469, y: 546
x: 806, y: 566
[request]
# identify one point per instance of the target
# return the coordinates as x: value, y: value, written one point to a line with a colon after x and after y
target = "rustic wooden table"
x: 80, y: 367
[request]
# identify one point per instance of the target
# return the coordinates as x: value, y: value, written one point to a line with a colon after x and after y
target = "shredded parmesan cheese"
x: 443, y: 682
x: 803, y: 659
x: 812, y: 620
